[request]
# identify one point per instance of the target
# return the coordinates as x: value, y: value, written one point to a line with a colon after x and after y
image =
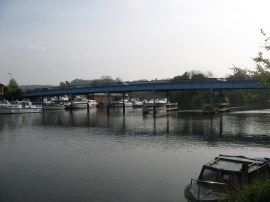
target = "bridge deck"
x: 149, y: 86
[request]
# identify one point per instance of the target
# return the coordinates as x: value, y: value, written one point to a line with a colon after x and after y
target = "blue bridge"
x: 155, y: 86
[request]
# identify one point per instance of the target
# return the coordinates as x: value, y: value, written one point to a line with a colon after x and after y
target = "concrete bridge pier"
x: 211, y: 96
x: 154, y: 106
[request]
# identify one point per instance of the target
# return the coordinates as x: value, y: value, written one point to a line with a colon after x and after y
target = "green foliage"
x: 12, y: 91
x: 262, y: 65
x: 80, y: 82
x: 255, y: 192
x: 146, y: 95
x: 187, y: 99
x: 241, y: 73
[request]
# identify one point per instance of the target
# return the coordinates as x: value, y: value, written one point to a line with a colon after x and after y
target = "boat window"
x: 209, y: 175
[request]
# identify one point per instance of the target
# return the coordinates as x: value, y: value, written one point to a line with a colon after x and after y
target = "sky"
x: 46, y: 42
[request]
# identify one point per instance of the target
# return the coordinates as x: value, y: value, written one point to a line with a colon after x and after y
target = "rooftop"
x: 234, y: 163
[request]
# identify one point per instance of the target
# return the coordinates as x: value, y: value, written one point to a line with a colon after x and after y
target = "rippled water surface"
x: 80, y: 156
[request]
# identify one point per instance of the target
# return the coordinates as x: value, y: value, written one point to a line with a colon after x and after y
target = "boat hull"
x: 53, y: 107
x: 6, y: 110
x: 203, y: 195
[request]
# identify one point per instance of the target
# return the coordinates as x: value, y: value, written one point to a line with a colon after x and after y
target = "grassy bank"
x: 255, y: 192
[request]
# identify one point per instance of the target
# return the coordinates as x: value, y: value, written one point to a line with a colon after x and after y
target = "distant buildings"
x: 104, y: 98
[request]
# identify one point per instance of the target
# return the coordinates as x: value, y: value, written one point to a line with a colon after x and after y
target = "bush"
x: 257, y: 192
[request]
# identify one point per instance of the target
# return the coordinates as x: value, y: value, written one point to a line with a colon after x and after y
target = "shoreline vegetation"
x: 258, y: 191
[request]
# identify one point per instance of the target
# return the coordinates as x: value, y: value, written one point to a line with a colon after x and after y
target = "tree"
x: 262, y: 64
x: 262, y: 71
x: 12, y: 91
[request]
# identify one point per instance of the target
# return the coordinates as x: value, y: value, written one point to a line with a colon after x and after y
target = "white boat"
x: 120, y: 103
x: 128, y: 103
x: 53, y: 106
x: 137, y: 104
x: 19, y: 107
x: 92, y: 103
x: 79, y: 104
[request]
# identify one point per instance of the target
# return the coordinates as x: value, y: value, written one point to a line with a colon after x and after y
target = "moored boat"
x: 216, y: 108
x: 77, y: 105
x: 221, y: 178
x: 92, y: 103
x: 137, y: 104
x: 19, y: 107
x: 53, y: 105
x: 223, y: 107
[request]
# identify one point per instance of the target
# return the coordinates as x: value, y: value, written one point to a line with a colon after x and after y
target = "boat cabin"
x: 235, y: 170
x: 224, y: 176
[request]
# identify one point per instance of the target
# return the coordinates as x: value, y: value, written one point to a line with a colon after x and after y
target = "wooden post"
x: 124, y: 108
x: 71, y: 102
x: 87, y: 103
x: 211, y: 97
x: 42, y: 101
x: 108, y: 104
x: 87, y: 107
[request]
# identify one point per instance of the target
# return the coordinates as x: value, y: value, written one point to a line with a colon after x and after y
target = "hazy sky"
x: 48, y: 41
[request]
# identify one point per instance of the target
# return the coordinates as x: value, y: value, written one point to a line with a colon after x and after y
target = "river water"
x: 80, y: 156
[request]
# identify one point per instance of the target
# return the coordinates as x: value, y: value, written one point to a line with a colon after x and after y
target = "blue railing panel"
x: 149, y: 86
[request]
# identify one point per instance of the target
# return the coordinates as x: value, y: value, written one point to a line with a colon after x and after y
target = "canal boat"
x: 221, y: 178
x: 19, y: 107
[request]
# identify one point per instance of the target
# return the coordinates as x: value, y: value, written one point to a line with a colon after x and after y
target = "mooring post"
x: 87, y: 103
x: 42, y: 101
x: 87, y: 107
x: 124, y: 108
x: 71, y: 102
x: 108, y: 103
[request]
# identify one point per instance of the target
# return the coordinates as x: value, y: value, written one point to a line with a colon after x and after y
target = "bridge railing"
x: 153, y: 82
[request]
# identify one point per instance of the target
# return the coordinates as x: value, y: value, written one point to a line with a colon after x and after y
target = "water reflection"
x: 236, y: 127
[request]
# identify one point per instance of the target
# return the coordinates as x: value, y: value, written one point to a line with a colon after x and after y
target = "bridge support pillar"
x: 108, y: 103
x: 211, y: 96
x: 154, y: 106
